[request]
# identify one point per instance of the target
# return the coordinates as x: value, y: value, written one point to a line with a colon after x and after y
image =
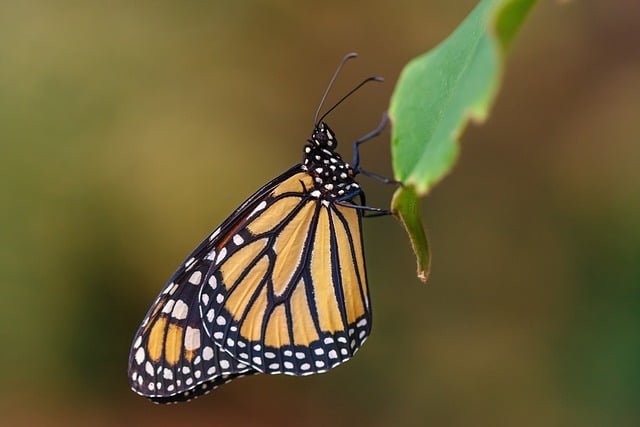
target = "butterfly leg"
x: 367, y: 211
x: 356, y: 153
x: 377, y: 131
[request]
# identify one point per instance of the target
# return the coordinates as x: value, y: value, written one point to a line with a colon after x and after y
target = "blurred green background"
x: 129, y: 130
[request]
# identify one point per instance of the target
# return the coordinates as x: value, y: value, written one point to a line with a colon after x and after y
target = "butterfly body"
x: 279, y: 287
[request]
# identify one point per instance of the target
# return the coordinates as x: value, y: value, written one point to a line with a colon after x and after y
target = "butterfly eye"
x: 321, y: 137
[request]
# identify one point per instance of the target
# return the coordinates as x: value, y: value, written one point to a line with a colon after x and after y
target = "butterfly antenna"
x: 365, y: 81
x: 347, y: 57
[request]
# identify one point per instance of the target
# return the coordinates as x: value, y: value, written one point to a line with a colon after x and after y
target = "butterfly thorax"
x: 333, y: 178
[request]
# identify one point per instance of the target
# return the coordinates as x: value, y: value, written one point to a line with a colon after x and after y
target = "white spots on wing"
x: 205, y: 299
x: 213, y: 282
x: 288, y: 365
x: 189, y: 381
x: 149, y: 368
x: 328, y: 186
x: 180, y: 310
x: 197, y: 374
x: 214, y: 234
x: 151, y: 386
x: 300, y: 355
x: 238, y: 240
x: 362, y: 334
x: 168, y: 306
x: 140, y: 356
x: 192, y: 339
x: 221, y: 255
x: 170, y: 387
x: 167, y: 374
x: 305, y: 366
x: 218, y: 335
x: 219, y: 298
x: 315, y: 193
x: 325, y: 203
x: 210, y: 315
x: 328, y: 340
x: 230, y: 342
x: 257, y: 360
x: 211, y: 255
x: 269, y: 355
x: 319, y: 351
x: 343, y: 340
x: 189, y: 262
x: 344, y: 351
x: 207, y: 353
x: 258, y: 208
x: 211, y: 370
x: 138, y: 342
x: 362, y: 322
x: 288, y: 353
x: 274, y: 366
x: 319, y: 363
x: 196, y: 278
x: 221, y: 321
x: 173, y: 288
x: 186, y: 370
x: 332, y: 354
x: 224, y: 364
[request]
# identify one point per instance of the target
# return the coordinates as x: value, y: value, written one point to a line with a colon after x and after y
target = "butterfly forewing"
x: 172, y: 357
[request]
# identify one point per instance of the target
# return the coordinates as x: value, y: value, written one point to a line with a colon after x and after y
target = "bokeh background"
x: 129, y: 130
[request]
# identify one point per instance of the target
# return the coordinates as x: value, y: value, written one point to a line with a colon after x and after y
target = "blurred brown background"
x: 129, y: 131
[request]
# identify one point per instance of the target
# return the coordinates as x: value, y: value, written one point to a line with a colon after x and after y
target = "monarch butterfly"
x: 279, y: 287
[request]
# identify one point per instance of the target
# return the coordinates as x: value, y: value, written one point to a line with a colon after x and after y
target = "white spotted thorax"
x: 333, y: 177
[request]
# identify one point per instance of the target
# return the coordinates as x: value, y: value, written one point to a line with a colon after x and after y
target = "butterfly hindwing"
x: 290, y: 294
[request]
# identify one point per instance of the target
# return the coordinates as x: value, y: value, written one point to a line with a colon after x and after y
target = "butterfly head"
x: 323, y: 137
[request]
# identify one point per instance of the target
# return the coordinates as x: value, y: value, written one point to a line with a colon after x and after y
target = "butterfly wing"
x: 172, y: 357
x: 288, y: 290
x: 279, y: 287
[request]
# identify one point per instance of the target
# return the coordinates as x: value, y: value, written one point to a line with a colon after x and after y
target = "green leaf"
x: 439, y: 92
x: 410, y: 217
